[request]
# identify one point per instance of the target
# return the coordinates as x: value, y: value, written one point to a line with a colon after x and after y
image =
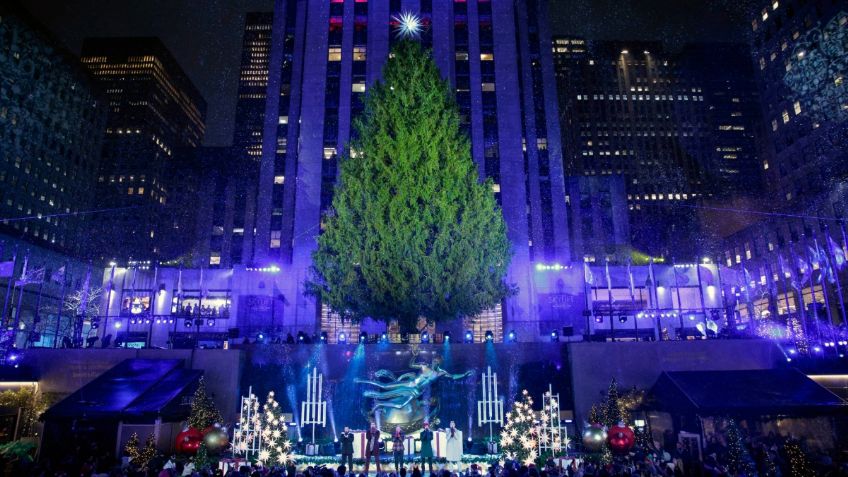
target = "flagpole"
x: 701, y: 294
x: 153, y: 293
x: 632, y: 299
x: 199, y: 321
x: 679, y: 301
x: 9, y: 285
x: 109, y: 302
x: 37, y: 318
x: 824, y: 278
x: 587, y: 291
x: 61, y: 305
x: 730, y: 317
x: 772, y: 291
x: 653, y: 299
x: 786, y: 299
x: 813, y: 290
x: 748, y: 304
x: 836, y: 276
x: 179, y: 304
x: 80, y: 318
x: 609, y: 300
x: 800, y: 291
x: 120, y: 304
x: 17, y: 320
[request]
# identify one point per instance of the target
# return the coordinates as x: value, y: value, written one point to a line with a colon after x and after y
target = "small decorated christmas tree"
x: 204, y: 413
x: 612, y: 411
x: 202, y: 460
x: 275, y: 448
x: 519, y: 435
x: 147, y: 453
x: 799, y: 465
x: 738, y: 460
x: 131, y: 449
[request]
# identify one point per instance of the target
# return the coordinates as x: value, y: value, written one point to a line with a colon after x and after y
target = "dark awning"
x: 135, y: 388
x: 165, y: 398
x: 750, y: 392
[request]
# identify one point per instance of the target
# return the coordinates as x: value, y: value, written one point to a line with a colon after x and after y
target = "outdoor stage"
x: 578, y: 372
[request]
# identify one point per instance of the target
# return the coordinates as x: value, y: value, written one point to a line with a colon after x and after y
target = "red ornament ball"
x: 188, y: 441
x: 621, y: 438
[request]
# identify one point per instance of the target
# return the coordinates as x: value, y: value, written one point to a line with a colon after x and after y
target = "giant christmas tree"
x: 411, y: 232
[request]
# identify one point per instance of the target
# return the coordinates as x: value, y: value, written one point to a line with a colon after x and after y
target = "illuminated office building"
x: 154, y: 109
x: 51, y: 132
x: 661, y: 122
x: 231, y: 178
x: 806, y: 154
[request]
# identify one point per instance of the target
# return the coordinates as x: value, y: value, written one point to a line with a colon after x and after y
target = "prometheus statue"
x: 401, y: 398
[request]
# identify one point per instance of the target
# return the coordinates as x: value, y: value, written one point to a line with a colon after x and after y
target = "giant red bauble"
x: 621, y: 438
x: 188, y: 441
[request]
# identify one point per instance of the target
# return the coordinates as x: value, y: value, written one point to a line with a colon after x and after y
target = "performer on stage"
x: 372, y: 447
x: 426, y: 438
x: 346, y: 440
x: 453, y: 452
x: 397, y: 448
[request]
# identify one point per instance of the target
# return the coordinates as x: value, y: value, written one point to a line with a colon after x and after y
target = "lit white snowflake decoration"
x: 409, y: 25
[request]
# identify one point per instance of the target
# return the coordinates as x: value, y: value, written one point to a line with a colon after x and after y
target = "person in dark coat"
x: 372, y: 447
x: 426, y: 438
x: 397, y: 448
x: 346, y: 440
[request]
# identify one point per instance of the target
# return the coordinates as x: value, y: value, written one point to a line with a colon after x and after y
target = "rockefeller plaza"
x: 424, y: 238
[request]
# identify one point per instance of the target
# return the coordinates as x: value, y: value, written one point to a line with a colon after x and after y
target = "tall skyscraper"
x: 51, y: 132
x: 154, y: 109
x: 235, y: 176
x: 799, y: 54
x: 724, y: 73
x: 678, y: 132
x: 253, y: 81
x: 497, y: 56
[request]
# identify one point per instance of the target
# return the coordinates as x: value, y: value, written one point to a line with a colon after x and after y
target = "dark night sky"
x: 205, y: 35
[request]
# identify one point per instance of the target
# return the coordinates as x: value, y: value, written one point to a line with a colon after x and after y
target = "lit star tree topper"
x: 409, y: 25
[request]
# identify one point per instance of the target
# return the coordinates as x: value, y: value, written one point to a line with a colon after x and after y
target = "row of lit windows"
x: 610, y: 153
x: 670, y: 196
x: 334, y: 53
x: 639, y: 97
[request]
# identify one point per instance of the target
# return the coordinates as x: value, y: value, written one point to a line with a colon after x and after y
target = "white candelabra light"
x: 553, y: 436
x: 314, y: 410
x: 247, y: 436
x: 490, y: 408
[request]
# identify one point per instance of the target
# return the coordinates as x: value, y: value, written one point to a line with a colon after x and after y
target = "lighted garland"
x: 817, y: 70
